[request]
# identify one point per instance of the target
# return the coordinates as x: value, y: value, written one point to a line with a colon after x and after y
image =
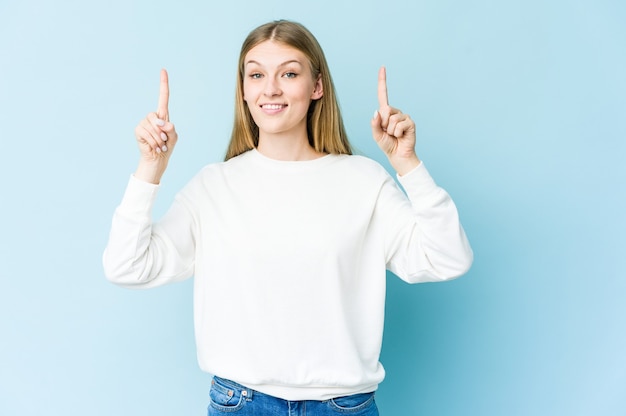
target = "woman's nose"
x: 271, y: 87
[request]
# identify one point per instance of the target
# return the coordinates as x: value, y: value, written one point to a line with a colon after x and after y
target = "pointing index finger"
x: 382, y: 88
x: 164, y: 96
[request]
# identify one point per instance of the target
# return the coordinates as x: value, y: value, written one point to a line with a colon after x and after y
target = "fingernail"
x: 375, y: 113
x: 160, y: 122
x: 164, y: 148
x: 158, y: 150
x: 163, y: 136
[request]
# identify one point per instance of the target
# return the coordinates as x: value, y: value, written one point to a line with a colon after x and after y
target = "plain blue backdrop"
x: 521, y: 114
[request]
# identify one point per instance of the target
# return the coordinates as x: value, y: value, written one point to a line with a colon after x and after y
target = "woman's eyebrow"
x: 292, y: 61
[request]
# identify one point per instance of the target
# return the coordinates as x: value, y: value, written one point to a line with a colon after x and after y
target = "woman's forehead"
x: 273, y: 53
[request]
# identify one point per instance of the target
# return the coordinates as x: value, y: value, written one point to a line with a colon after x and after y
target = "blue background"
x: 521, y: 116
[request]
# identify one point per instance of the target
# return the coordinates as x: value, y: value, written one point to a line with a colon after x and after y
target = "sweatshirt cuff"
x: 418, y: 184
x: 138, y: 198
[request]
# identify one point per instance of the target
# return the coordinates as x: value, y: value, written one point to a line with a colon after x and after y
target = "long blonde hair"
x: 324, y: 122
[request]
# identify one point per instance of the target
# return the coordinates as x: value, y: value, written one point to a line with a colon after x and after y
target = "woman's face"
x: 278, y: 87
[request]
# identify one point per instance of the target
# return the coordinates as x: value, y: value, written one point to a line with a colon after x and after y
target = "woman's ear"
x: 318, y: 92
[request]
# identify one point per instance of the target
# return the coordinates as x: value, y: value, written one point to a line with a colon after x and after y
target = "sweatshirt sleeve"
x: 143, y: 254
x: 424, y: 239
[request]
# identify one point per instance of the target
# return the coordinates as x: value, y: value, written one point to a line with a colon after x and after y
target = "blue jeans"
x: 230, y: 398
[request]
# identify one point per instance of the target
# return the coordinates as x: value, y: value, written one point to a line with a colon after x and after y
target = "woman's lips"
x: 273, y: 108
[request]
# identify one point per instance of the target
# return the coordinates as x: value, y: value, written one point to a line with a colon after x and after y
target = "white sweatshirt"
x: 289, y: 264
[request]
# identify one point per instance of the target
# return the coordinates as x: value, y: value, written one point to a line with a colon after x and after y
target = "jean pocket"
x: 225, y: 396
x: 353, y: 403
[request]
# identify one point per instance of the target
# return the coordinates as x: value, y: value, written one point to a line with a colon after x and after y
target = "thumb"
x: 377, y: 128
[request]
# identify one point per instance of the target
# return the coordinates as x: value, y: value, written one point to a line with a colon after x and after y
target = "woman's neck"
x: 287, y: 148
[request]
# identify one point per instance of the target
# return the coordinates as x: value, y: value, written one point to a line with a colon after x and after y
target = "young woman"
x: 288, y: 240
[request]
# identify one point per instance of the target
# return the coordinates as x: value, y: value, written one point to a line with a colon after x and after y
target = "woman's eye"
x: 290, y: 75
x: 255, y: 76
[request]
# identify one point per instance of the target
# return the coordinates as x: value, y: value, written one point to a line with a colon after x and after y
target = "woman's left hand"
x: 394, y: 131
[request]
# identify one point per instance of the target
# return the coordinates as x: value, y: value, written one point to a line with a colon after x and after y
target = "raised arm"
x: 140, y: 253
x: 424, y: 238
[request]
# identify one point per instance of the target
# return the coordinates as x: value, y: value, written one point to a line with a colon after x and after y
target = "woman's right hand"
x: 156, y: 138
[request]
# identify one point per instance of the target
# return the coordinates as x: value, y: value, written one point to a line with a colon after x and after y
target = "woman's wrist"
x: 403, y: 165
x: 150, y: 172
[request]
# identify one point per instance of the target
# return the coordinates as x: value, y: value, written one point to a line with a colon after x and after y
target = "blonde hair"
x: 324, y: 122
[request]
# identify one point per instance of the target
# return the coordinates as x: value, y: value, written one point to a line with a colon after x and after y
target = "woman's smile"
x: 272, y: 109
